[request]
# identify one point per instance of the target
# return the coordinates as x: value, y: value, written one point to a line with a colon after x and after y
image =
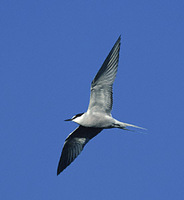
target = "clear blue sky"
x: 49, y: 53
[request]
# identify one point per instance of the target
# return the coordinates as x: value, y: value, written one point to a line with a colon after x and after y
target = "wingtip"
x: 58, y: 171
x: 118, y: 42
x: 60, y: 168
x: 119, y: 38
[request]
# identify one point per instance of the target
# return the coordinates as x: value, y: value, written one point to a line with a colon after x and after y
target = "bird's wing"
x: 74, y: 144
x: 101, y: 87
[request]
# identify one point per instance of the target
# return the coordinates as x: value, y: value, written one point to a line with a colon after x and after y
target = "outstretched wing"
x: 74, y: 144
x: 101, y: 86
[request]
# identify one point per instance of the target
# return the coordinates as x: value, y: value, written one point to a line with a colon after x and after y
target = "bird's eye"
x: 78, y: 115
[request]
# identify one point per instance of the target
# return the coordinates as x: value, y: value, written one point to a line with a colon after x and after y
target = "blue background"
x: 50, y: 52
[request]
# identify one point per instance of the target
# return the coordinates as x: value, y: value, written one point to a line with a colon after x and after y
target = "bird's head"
x: 75, y: 117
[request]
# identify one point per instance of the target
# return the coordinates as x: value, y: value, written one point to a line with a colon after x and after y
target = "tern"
x: 98, y: 115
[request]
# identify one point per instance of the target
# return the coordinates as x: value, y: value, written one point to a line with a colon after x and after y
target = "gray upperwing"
x: 101, y: 87
x: 74, y: 144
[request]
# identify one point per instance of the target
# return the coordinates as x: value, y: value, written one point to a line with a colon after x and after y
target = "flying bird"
x: 98, y: 115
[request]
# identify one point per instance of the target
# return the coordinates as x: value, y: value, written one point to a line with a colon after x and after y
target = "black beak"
x: 68, y: 120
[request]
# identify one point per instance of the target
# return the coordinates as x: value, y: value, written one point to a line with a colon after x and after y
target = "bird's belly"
x: 97, y: 121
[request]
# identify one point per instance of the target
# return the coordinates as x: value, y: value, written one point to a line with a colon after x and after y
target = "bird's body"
x: 95, y: 120
x: 98, y: 115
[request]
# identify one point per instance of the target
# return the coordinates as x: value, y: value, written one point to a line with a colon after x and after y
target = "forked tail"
x: 124, y: 126
x: 131, y: 125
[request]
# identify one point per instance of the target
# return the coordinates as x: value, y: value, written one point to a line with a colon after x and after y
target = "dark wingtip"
x: 118, y: 42
x: 58, y: 173
x: 59, y: 170
x: 119, y: 39
x: 61, y: 167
